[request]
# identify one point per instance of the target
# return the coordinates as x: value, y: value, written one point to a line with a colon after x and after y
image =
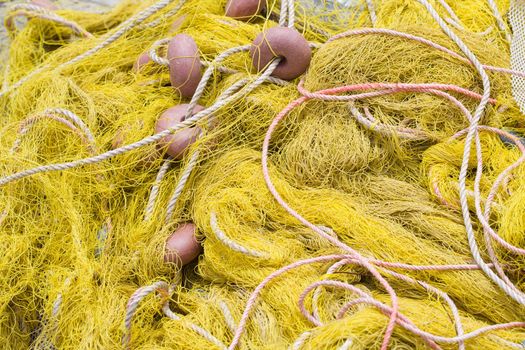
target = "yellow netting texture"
x: 74, y: 245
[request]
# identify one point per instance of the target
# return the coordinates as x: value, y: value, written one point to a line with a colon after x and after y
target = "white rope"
x: 72, y: 121
x: 46, y: 343
x: 193, y: 103
x: 40, y: 12
x: 195, y: 156
x: 284, y: 13
x: 221, y: 236
x: 199, y: 330
x: 317, y: 292
x: 501, y: 23
x: 328, y: 230
x: 75, y: 119
x: 291, y: 13
x: 505, y: 342
x: 133, y: 304
x: 155, y: 189
x: 147, y: 140
x: 473, y: 132
x: 20, y: 82
x: 153, y: 52
x: 125, y: 27
x: 454, y: 17
x: 221, y: 69
x: 346, y: 345
x: 379, y: 128
x: 299, y: 342
x: 208, y: 73
x: 230, y: 322
x: 180, y: 185
x: 102, y: 236
x: 168, y: 14
x: 192, y: 163
x: 163, y: 61
x: 30, y: 122
x: 30, y: 7
x: 454, y: 23
x: 58, y: 301
x: 194, y: 100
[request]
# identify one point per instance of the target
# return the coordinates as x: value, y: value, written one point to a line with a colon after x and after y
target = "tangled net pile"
x: 375, y: 202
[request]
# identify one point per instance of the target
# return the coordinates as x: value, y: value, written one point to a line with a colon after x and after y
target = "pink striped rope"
x: 394, y: 318
x: 327, y: 94
x: 401, y: 320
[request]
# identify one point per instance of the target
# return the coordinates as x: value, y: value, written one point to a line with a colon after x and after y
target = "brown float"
x: 185, y: 65
x: 286, y: 43
x: 182, y: 246
x: 179, y: 142
x: 244, y: 10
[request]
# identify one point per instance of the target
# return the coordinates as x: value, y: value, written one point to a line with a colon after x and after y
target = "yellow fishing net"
x: 82, y: 245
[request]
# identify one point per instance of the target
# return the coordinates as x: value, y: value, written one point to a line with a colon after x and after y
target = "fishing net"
x: 374, y: 202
